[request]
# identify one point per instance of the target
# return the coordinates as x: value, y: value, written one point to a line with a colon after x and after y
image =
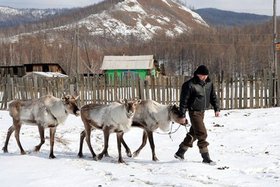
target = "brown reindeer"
x: 45, y: 112
x: 115, y: 117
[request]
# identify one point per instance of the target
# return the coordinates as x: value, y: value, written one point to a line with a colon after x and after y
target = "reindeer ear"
x: 138, y: 101
x: 174, y: 105
x: 122, y: 101
x: 65, y: 97
x: 77, y: 97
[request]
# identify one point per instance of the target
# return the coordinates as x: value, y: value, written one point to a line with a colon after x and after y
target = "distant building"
x: 21, y: 70
x: 141, y: 66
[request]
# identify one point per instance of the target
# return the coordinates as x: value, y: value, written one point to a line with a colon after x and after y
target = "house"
x: 136, y: 65
x: 21, y: 70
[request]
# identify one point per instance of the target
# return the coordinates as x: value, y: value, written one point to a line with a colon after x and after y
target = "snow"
x: 196, y: 17
x: 244, y: 143
x: 127, y: 6
x: 45, y: 74
x: 10, y: 11
x: 162, y: 20
x: 166, y: 2
x: 39, y: 13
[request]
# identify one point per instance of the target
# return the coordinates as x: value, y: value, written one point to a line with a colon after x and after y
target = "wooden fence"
x: 234, y: 92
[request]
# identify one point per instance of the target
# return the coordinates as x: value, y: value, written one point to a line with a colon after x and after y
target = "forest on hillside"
x: 234, y: 50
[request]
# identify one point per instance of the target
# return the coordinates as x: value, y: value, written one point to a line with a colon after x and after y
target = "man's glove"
x: 187, y: 122
x: 183, y: 121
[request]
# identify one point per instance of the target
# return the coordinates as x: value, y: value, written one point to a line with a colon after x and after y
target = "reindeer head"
x: 130, y: 106
x: 70, y: 103
x: 175, y: 113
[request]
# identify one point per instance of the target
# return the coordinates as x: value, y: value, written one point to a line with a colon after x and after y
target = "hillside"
x: 216, y: 17
x: 10, y: 17
x: 143, y: 19
x: 120, y: 19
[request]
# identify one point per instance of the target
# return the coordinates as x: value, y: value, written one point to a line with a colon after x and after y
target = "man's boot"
x: 206, y: 159
x: 180, y: 153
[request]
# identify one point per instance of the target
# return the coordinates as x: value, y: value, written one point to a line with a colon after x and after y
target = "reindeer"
x: 151, y: 115
x: 115, y: 117
x: 45, y: 112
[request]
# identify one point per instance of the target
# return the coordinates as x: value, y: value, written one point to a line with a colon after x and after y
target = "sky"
x: 264, y: 7
x: 244, y: 143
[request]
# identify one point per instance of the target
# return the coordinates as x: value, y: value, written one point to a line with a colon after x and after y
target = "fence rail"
x: 234, y: 92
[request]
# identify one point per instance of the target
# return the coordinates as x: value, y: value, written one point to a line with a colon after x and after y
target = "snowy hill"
x: 120, y: 19
x: 143, y: 19
x: 244, y: 143
x: 13, y: 17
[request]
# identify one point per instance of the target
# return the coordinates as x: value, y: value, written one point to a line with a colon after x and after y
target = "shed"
x: 44, y: 67
x: 142, y: 65
x: 21, y: 70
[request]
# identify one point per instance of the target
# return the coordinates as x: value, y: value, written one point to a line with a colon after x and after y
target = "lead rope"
x: 172, y: 132
x: 186, y: 127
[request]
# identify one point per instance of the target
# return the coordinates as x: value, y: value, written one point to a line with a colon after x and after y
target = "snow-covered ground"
x: 244, y: 143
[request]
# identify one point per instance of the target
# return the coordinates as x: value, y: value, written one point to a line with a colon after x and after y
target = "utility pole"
x: 275, y: 66
x: 275, y: 63
x: 77, y: 52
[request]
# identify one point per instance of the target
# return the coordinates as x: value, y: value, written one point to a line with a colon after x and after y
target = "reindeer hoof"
x: 5, y: 149
x: 95, y: 158
x: 80, y: 155
x: 135, y: 154
x: 155, y: 159
x: 128, y: 153
x: 99, y: 157
x: 121, y: 161
x: 23, y: 152
x: 52, y: 157
x: 37, y: 149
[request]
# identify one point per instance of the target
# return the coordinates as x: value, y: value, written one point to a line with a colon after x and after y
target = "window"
x: 45, y: 68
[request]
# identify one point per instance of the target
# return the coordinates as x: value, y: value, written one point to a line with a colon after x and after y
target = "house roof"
x: 127, y: 62
x: 45, y: 74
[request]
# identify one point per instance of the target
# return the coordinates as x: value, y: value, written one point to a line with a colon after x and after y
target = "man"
x: 196, y: 95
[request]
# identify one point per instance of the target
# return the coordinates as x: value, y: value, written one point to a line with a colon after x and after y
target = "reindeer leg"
x: 152, y: 144
x: 144, y: 141
x: 88, y: 132
x: 9, y: 133
x: 127, y: 150
x: 106, y: 132
x: 17, y: 131
x: 52, y: 133
x: 42, y: 137
x: 119, y: 139
x: 82, y: 137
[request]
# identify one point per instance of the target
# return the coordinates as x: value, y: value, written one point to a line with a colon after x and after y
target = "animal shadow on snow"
x: 42, y: 154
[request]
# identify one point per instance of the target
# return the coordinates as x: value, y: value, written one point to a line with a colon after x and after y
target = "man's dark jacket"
x: 196, y: 95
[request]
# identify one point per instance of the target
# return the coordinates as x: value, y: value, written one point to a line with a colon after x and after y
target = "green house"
x: 141, y: 66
